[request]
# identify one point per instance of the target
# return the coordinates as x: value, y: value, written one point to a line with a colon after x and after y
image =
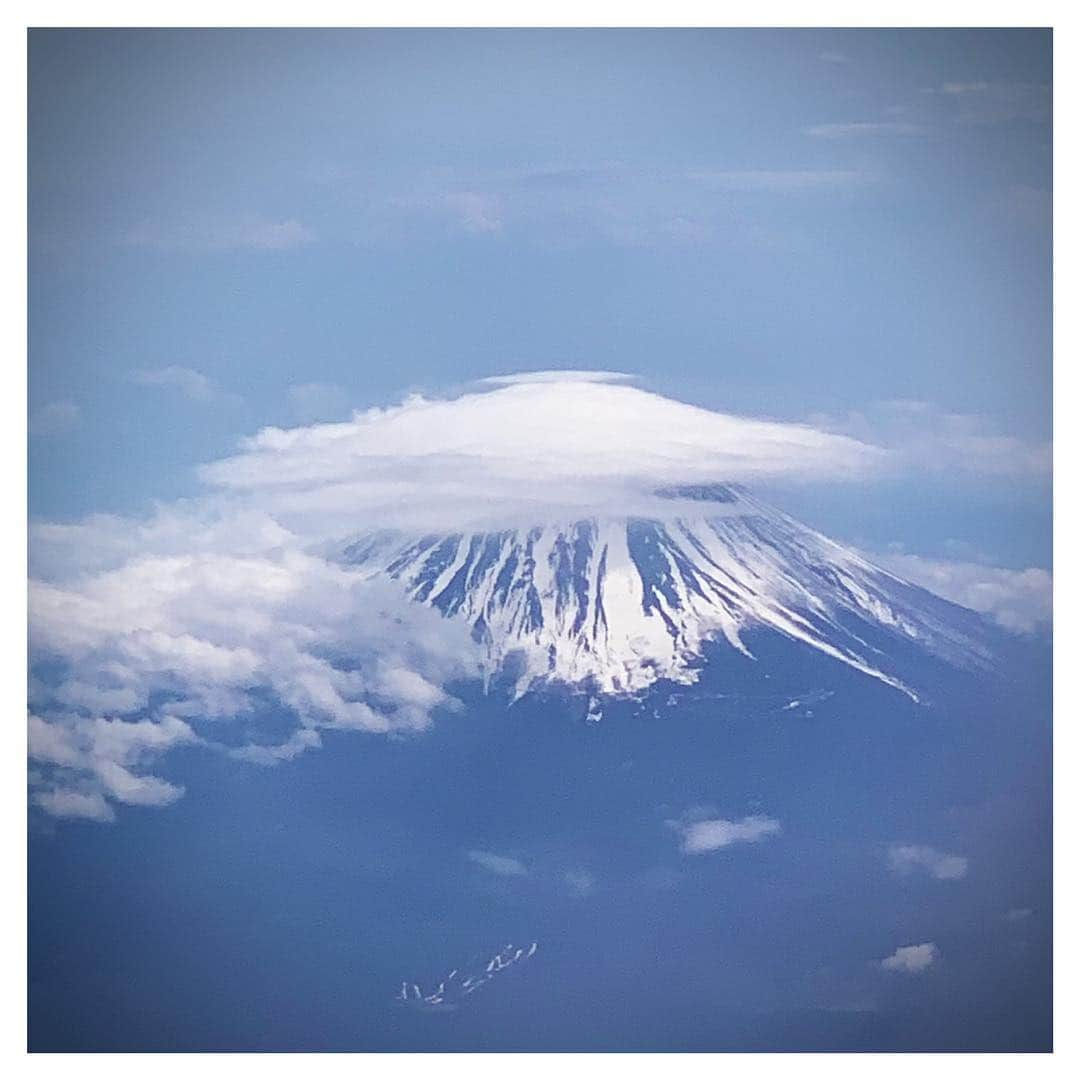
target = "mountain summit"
x: 616, y: 604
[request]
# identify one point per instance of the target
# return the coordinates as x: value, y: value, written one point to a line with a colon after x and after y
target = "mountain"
x: 615, y: 604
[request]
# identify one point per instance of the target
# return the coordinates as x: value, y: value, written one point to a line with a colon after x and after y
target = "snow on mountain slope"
x: 616, y: 604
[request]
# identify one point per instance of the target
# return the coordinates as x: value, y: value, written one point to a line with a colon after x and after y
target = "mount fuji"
x: 613, y: 605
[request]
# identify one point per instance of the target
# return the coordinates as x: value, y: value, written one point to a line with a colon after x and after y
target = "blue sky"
x: 236, y: 229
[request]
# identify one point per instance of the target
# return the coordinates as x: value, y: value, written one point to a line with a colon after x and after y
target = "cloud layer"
x: 172, y: 635
x: 532, y: 448
x: 1020, y: 600
x: 920, y: 437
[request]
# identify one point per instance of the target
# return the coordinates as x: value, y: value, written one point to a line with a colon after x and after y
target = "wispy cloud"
x: 55, y: 418
x: 911, y: 959
x: 471, y: 212
x: 923, y: 437
x: 936, y: 110
x: 299, y: 742
x: 911, y: 858
x: 1015, y: 915
x: 563, y: 205
x: 862, y: 129
x: 249, y: 233
x: 192, y: 384
x: 580, y: 882
x: 984, y: 102
x: 782, y: 180
x: 704, y: 834
x: 500, y: 865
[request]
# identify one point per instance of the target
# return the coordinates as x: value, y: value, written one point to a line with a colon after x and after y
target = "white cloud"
x: 911, y: 959
x: 521, y: 452
x: 475, y: 211
x: 702, y: 835
x: 566, y: 205
x: 1018, y: 600
x: 95, y: 760
x: 55, y: 418
x: 580, y: 882
x: 67, y: 551
x: 781, y: 180
x: 251, y: 233
x: 192, y: 384
x: 210, y: 629
x: 1015, y: 915
x: 985, y: 102
x: 500, y: 865
x: 909, y: 858
x: 167, y: 636
x: 922, y: 437
x: 69, y: 803
x: 299, y: 742
x: 862, y: 129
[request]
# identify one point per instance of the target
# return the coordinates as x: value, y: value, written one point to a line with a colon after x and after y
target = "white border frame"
x: 113, y: 13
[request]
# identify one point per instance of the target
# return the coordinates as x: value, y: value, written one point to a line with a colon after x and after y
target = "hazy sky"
x: 231, y: 229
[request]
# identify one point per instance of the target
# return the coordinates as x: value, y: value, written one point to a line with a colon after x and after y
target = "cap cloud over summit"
x: 521, y: 449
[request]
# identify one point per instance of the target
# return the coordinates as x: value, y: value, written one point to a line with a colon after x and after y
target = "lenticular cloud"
x: 521, y: 449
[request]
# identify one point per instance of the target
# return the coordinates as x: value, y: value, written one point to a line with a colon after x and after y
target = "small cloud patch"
x: 710, y: 834
x: 501, y: 865
x: 187, y: 382
x: 911, y: 959
x: 914, y: 858
x: 580, y: 883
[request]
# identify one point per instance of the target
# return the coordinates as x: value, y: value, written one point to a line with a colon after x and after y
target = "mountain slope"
x: 618, y: 603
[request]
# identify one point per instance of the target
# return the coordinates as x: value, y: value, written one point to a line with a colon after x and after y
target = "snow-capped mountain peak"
x: 618, y: 603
